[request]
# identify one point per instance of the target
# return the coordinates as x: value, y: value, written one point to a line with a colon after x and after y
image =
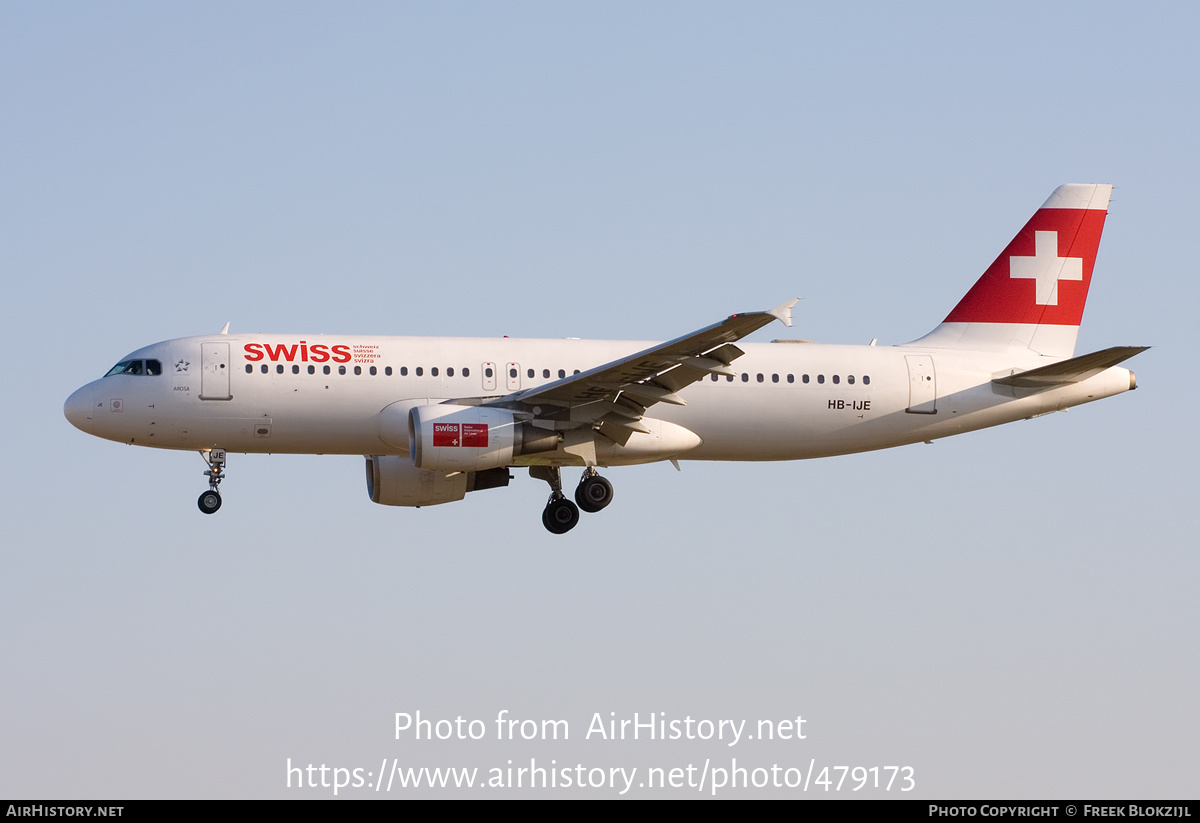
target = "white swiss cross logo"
x: 1045, y: 268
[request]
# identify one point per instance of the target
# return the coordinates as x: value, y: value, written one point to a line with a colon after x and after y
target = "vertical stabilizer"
x: 1032, y: 296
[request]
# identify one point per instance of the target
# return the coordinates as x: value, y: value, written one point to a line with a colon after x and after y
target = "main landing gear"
x: 561, y: 515
x: 593, y: 492
x: 210, y: 501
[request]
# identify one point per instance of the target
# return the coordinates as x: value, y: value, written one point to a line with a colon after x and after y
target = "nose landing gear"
x: 210, y: 501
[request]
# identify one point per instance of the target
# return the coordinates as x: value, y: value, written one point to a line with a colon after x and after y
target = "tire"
x: 560, y: 516
x: 209, y: 502
x: 594, y: 494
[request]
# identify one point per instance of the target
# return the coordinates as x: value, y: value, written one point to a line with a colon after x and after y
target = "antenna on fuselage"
x: 225, y: 329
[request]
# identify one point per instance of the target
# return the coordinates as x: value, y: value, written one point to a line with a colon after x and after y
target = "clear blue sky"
x: 1012, y: 613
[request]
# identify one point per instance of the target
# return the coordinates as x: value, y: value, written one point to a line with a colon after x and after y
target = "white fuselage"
x: 788, y: 401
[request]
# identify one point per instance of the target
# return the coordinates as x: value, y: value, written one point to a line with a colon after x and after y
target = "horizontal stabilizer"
x: 1075, y: 370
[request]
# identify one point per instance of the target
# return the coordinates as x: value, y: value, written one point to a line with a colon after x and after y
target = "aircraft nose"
x: 78, y: 409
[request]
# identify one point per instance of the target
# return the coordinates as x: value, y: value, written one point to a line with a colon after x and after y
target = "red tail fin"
x: 1033, y: 295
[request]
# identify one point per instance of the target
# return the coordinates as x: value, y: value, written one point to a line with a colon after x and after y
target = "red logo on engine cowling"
x: 474, y: 434
x: 297, y: 352
x: 446, y: 434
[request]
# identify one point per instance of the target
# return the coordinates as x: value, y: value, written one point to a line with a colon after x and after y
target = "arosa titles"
x: 300, y: 352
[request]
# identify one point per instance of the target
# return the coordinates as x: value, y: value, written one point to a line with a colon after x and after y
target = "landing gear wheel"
x: 593, y: 493
x: 209, y: 502
x: 560, y: 516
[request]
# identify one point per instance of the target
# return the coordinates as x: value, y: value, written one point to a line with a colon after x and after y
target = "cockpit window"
x: 152, y: 367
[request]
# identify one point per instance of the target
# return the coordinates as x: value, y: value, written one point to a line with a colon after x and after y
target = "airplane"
x: 438, y: 418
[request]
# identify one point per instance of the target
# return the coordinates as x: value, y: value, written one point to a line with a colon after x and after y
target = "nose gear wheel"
x: 210, y: 501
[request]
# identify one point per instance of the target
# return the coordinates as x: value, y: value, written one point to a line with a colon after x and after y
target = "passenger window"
x: 546, y: 374
x: 850, y: 379
x: 404, y: 371
x: 714, y: 377
x: 358, y: 369
x: 774, y: 378
x: 250, y: 369
x: 866, y: 380
x: 420, y: 371
x: 466, y: 372
x: 760, y: 377
x: 295, y: 369
x: 450, y: 372
x: 264, y: 368
x: 312, y: 369
x: 325, y: 370
x: 561, y: 374
x: 341, y: 369
x: 820, y: 378
x: 745, y: 377
x: 387, y: 370
x: 791, y: 378
x: 279, y: 369
x: 804, y: 378
x: 433, y: 372
x: 529, y: 373
x: 836, y: 379
x: 488, y: 372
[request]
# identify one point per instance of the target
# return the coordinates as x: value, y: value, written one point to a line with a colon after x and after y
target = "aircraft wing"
x: 616, y: 395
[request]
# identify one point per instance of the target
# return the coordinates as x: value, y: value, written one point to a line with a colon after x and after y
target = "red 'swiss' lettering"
x: 281, y: 352
x: 302, y: 351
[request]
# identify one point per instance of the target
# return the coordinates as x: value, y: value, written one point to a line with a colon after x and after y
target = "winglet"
x: 225, y: 329
x: 783, y: 312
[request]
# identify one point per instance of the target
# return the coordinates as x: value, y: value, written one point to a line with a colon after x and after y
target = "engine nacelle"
x: 452, y: 438
x: 393, y: 480
x: 449, y: 438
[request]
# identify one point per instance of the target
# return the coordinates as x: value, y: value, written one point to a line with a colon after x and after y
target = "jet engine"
x: 393, y: 480
x: 450, y: 438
